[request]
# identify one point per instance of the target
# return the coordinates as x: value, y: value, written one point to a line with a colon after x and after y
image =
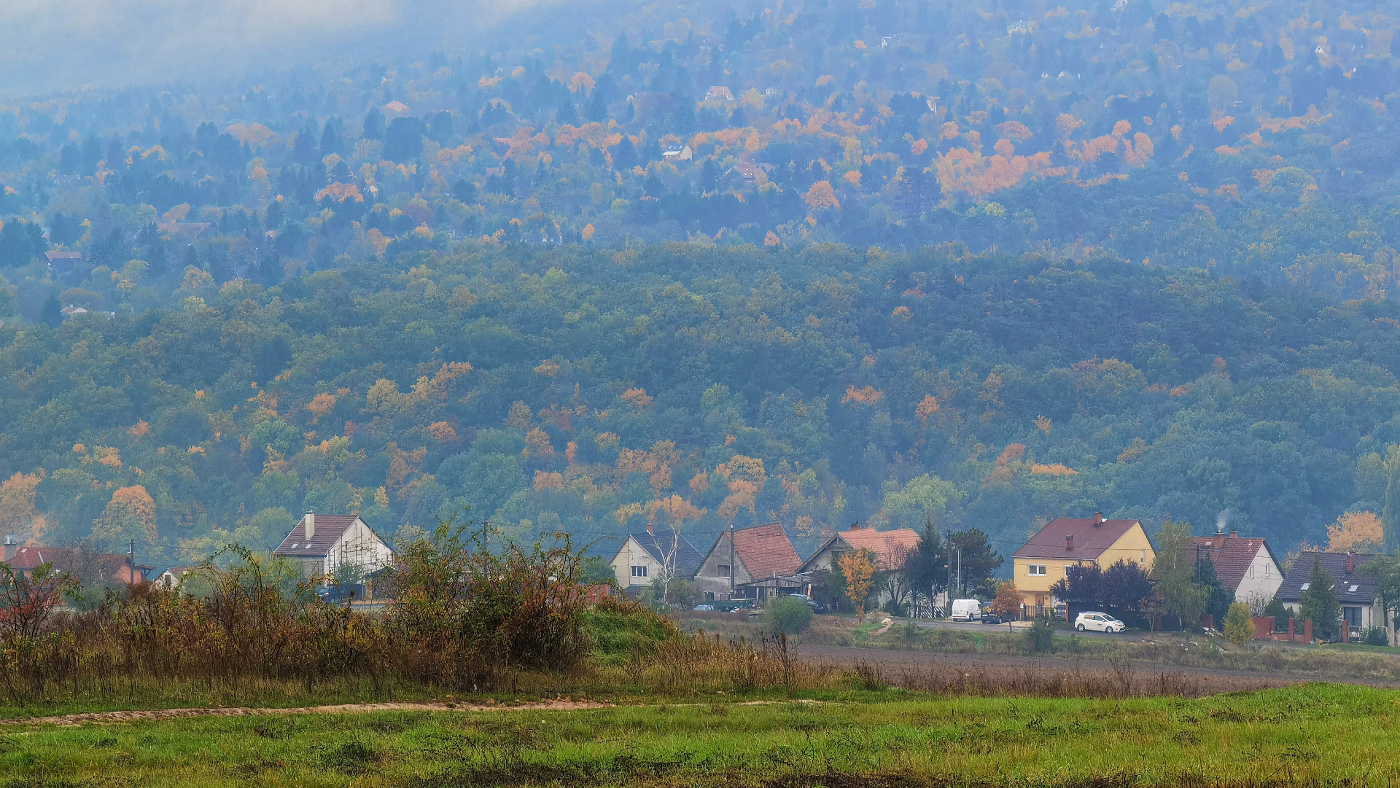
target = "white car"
x: 1094, y: 621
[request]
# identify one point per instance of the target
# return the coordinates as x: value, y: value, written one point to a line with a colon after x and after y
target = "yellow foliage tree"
x: 745, y: 477
x: 130, y: 513
x: 18, y: 514
x: 1355, y: 531
x: 858, y: 568
x: 821, y: 196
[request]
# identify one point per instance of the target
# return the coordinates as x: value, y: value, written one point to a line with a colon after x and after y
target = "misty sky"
x: 64, y: 44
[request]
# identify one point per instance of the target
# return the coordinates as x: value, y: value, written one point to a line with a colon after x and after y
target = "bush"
x: 1375, y: 636
x: 789, y: 615
x: 1040, y: 638
x: 622, y: 629
x: 1280, y: 613
x: 1239, y: 626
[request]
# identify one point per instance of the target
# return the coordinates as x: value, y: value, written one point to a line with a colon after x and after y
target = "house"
x: 719, y: 93
x: 1358, y: 591
x: 324, y: 543
x: 739, y: 559
x: 1071, y: 541
x: 90, y: 568
x: 677, y: 153
x: 170, y: 578
x: 645, y: 556
x: 63, y: 262
x: 1244, y: 565
x: 890, y: 547
x: 396, y: 109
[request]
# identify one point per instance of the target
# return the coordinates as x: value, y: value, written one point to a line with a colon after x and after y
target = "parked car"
x: 817, y: 607
x: 988, y: 617
x: 1094, y: 621
x: 966, y: 610
x: 704, y: 608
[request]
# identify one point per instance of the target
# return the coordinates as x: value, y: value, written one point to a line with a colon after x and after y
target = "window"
x: 639, y: 571
x: 1035, y: 570
x: 1142, y: 556
x: 1304, y: 587
x: 1351, y: 589
x: 1352, y: 615
x: 709, y: 596
x: 724, y: 570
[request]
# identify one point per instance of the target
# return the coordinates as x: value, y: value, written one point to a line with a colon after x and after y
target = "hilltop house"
x: 324, y: 543
x: 1071, y: 541
x: 889, y: 547
x: 677, y: 153
x: 644, y: 557
x: 1359, y: 592
x: 1244, y: 565
x: 735, y: 569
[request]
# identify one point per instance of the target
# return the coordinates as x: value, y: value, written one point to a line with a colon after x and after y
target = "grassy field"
x: 1308, y: 735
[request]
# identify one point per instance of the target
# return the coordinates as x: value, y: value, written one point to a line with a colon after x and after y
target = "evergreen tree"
x: 1218, y: 597
x: 1319, y: 602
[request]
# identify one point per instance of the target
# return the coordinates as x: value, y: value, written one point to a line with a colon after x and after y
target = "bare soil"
x: 347, y: 708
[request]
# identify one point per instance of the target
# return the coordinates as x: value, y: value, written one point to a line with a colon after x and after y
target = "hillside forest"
x: 817, y: 262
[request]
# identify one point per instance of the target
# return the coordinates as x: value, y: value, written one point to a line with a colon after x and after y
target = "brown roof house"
x: 1071, y: 541
x: 1357, y: 590
x: 761, y: 553
x: 324, y: 543
x: 1244, y: 565
x: 890, y: 547
x: 91, y: 568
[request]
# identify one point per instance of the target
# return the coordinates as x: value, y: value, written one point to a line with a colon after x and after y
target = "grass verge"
x: 1308, y: 735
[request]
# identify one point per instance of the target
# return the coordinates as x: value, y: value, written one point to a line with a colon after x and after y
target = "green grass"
x: 1316, y: 734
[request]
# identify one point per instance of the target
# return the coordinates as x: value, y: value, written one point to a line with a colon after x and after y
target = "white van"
x: 966, y: 610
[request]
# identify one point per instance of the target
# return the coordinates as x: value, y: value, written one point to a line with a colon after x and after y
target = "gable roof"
x: 326, y: 532
x: 1232, y: 556
x: 1336, y: 564
x: 765, y: 550
x: 890, y: 547
x: 688, y: 559
x: 1090, y: 541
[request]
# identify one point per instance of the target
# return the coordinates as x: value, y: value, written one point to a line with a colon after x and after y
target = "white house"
x: 644, y: 557
x: 1358, y: 591
x: 324, y: 543
x: 677, y: 153
x: 1244, y: 565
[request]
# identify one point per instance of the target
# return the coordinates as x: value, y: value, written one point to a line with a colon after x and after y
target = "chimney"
x: 11, y: 547
x: 1098, y: 519
x: 649, y: 529
x: 1351, y: 561
x: 1234, y: 534
x: 1069, y: 541
x: 309, y: 522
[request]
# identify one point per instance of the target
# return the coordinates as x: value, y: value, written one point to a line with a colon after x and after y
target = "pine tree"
x: 1319, y: 602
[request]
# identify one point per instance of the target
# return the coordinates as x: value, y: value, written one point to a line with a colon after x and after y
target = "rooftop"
x: 1092, y: 536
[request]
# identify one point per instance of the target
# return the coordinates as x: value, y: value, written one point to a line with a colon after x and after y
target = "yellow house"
x: 1068, y: 541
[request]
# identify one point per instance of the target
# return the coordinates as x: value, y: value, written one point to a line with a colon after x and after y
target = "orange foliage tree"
x: 858, y: 568
x: 130, y: 514
x: 821, y: 196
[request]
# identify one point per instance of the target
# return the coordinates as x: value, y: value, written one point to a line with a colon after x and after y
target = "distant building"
x: 759, y: 553
x: 677, y: 153
x: 1071, y: 541
x: 1020, y: 26
x: 719, y: 93
x: 323, y: 543
x: 645, y: 556
x: 91, y: 568
x: 1358, y: 591
x: 63, y: 262
x: 396, y: 109
x: 1244, y: 565
x: 890, y: 548
x: 170, y: 578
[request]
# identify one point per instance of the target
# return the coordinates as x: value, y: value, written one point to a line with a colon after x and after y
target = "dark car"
x: 988, y: 617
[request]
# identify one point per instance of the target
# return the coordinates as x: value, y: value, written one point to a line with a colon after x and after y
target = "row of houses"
x: 750, y: 563
x: 1246, y: 566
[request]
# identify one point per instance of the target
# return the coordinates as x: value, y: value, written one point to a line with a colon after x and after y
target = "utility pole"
x: 731, y: 560
x: 959, y: 571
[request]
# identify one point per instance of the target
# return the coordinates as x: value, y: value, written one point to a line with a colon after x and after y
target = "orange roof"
x: 890, y: 547
x: 766, y: 550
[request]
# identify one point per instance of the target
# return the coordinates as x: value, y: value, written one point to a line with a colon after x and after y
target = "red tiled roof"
x: 1231, y: 555
x: 326, y: 532
x: 1089, y: 540
x: 765, y: 550
x: 890, y: 547
x: 63, y: 559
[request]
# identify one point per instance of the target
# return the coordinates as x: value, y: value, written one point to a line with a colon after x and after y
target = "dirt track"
x: 347, y: 708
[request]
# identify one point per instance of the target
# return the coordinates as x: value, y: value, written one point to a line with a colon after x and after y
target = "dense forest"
x: 816, y: 262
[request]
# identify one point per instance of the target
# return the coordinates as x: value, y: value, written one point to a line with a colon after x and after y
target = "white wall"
x: 1261, y: 580
x: 631, y: 554
x: 359, y: 545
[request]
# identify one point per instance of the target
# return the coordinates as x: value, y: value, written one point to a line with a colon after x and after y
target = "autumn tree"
x: 1359, y: 532
x: 131, y: 514
x: 1007, y: 603
x: 1239, y: 625
x: 858, y: 568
